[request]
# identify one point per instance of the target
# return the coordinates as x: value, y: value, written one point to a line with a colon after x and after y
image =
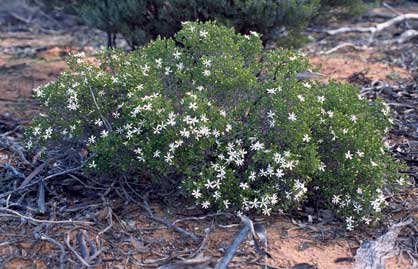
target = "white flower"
x: 353, y: 118
x: 104, y: 133
x: 159, y: 62
x: 336, y: 199
x: 279, y: 173
x: 348, y: 155
x: 292, y: 116
x: 307, y: 85
x: 366, y: 220
x: 205, y: 204
x: 99, y: 122
x: 168, y: 158
x: 306, y: 138
x: 322, y: 167
x: 216, y: 195
x: 116, y: 115
x: 226, y: 203
x: 266, y: 211
x: 349, y: 223
x: 36, y: 131
x: 321, y: 99
x: 271, y: 91
x: 176, y: 54
x: 244, y: 185
x: 206, y: 73
x: 257, y: 146
x: 203, y: 34
x: 193, y: 106
x: 156, y: 154
x: 360, y: 153
x: 180, y: 66
x: 167, y: 71
x: 301, y: 98
x: 48, y: 133
x: 252, y: 176
x: 290, y: 164
x: 92, y: 139
x: 92, y: 164
x: 196, y: 193
x: 207, y: 63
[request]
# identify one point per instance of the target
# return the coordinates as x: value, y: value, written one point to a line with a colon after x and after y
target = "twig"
x: 3, y: 195
x: 340, y: 46
x: 376, y: 28
x: 246, y: 228
x: 203, y: 217
x: 109, y: 127
x: 13, y: 212
x: 147, y: 208
x: 43, y: 236
x: 67, y: 242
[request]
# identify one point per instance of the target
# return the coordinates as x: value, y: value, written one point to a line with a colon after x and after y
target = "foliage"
x: 140, y: 21
x: 212, y: 113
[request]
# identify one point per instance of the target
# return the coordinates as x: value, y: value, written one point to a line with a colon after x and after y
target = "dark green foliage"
x: 140, y: 21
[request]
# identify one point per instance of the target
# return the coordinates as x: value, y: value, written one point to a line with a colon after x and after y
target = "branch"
x: 374, y: 29
x: 245, y: 230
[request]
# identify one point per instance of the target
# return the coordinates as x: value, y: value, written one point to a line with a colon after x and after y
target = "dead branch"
x: 3, y: 195
x: 406, y: 36
x: 245, y: 230
x: 15, y: 213
x: 343, y: 45
x: 376, y: 28
x: 82, y: 260
x: 195, y: 263
x: 45, y: 237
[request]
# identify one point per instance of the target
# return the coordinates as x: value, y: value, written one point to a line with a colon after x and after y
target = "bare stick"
x: 67, y: 242
x: 340, y: 46
x: 60, y: 246
x: 374, y: 29
x: 3, y: 195
x: 13, y: 212
x: 109, y: 127
x: 246, y: 228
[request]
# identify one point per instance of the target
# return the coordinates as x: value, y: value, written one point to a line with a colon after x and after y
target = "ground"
x: 126, y: 233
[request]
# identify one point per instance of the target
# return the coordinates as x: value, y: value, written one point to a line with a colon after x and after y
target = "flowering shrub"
x: 230, y: 124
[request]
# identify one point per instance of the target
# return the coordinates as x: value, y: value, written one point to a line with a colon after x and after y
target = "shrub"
x: 140, y: 21
x: 212, y: 113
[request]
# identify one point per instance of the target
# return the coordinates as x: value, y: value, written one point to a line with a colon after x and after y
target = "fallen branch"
x: 376, y: 28
x: 406, y: 36
x: 245, y: 230
x: 45, y: 237
x: 15, y: 213
x: 340, y: 46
